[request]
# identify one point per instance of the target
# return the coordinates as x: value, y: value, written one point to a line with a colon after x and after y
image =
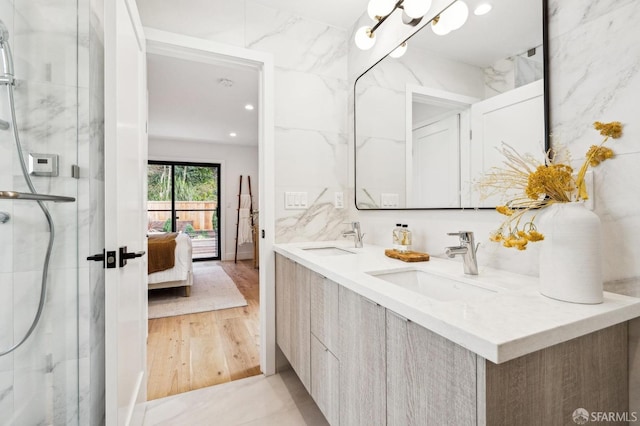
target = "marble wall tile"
x: 313, y: 158
x: 6, y: 393
x: 320, y: 221
x: 217, y: 20
x: 45, y: 41
x: 297, y: 44
x: 595, y: 74
x: 6, y: 327
x: 567, y: 15
x: 309, y: 101
x: 499, y: 78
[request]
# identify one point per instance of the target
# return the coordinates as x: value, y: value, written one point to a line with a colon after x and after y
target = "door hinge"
x: 262, y: 233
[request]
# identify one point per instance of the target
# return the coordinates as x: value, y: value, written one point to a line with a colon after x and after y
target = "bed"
x: 181, y: 274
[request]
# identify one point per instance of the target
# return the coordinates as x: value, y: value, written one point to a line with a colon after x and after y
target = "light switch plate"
x: 389, y: 200
x: 295, y: 200
x: 338, y: 200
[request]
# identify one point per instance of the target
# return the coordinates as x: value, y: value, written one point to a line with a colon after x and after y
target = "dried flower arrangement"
x: 540, y: 185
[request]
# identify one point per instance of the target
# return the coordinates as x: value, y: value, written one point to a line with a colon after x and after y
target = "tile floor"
x: 278, y: 400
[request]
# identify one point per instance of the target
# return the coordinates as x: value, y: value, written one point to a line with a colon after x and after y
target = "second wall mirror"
x: 427, y: 123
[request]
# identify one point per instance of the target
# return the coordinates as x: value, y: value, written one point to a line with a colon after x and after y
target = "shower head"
x: 6, y: 76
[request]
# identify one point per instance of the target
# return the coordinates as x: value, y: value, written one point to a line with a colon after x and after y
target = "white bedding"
x: 183, y: 266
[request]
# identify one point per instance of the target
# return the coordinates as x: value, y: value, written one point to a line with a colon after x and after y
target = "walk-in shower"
x: 43, y: 362
x: 7, y: 80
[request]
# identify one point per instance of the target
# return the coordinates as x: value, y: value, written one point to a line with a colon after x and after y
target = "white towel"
x: 244, y: 220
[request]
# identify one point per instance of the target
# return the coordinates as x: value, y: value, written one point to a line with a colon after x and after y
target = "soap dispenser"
x: 405, y: 239
x: 397, y: 237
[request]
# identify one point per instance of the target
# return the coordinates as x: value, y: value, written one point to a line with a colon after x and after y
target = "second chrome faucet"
x: 467, y: 249
x: 355, y: 232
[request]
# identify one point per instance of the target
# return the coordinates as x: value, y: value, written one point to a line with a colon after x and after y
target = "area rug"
x: 212, y: 290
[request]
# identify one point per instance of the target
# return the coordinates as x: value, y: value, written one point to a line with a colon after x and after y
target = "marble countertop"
x: 511, y: 320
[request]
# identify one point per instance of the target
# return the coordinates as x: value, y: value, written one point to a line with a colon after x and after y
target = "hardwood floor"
x: 193, y: 351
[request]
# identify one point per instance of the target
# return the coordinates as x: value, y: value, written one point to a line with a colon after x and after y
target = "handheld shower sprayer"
x: 6, y: 75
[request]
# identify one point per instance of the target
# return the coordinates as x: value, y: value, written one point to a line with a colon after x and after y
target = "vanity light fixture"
x: 380, y: 10
x: 233, y: 134
x: 451, y: 19
x: 249, y: 107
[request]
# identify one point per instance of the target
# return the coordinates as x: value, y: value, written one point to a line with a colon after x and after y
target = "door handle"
x: 109, y: 258
x: 124, y: 255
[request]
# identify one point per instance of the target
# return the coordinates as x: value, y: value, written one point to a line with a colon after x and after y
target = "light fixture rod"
x: 384, y: 18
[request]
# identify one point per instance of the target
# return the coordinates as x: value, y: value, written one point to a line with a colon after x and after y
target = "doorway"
x: 183, y: 149
x: 185, y: 197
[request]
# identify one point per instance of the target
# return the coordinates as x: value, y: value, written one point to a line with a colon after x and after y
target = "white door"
x: 436, y: 164
x: 516, y: 118
x: 125, y: 212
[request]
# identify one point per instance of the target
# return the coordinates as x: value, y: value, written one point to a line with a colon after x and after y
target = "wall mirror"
x: 427, y: 123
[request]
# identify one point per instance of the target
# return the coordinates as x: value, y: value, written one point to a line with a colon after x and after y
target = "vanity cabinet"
x: 430, y: 380
x: 325, y: 367
x: 362, y: 356
x: 367, y: 365
x: 293, y: 321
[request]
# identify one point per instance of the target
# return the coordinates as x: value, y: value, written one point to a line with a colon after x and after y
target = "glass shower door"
x: 39, y: 380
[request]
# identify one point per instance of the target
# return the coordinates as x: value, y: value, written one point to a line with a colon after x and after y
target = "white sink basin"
x: 327, y: 251
x: 433, y: 286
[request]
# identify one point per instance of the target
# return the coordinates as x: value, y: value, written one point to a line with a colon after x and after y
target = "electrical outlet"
x: 338, y: 200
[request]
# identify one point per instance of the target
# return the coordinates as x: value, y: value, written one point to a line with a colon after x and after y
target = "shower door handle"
x: 124, y: 255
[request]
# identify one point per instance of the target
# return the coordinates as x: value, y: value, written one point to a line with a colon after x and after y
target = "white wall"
x: 234, y: 161
x: 311, y: 95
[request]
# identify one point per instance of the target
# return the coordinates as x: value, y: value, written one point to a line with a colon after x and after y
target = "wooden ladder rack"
x: 235, y: 259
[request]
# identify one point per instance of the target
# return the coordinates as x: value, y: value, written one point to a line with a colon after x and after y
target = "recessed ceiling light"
x: 482, y: 9
x: 225, y: 82
x: 248, y: 107
x: 233, y: 134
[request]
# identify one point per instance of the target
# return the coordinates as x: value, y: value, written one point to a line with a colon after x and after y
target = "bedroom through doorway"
x: 203, y: 135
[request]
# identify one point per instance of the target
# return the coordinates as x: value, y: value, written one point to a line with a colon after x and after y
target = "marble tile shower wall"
x: 39, y: 382
x: 311, y: 101
x: 594, y: 75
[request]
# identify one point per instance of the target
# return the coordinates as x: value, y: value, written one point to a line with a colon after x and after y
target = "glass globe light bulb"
x: 364, y: 38
x: 416, y: 8
x: 380, y: 8
x: 456, y: 15
x: 399, y: 51
x: 440, y: 27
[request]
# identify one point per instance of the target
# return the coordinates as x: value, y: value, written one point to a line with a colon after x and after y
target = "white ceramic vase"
x: 570, y: 254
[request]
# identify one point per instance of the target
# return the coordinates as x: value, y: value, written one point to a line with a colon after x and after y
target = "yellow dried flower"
x: 597, y: 154
x: 520, y: 243
x: 613, y: 129
x: 553, y: 181
x: 496, y: 237
x: 540, y: 184
x: 504, y: 210
x: 534, y: 236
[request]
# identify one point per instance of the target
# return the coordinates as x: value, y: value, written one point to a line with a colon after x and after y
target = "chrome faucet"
x: 355, y: 232
x: 467, y: 249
